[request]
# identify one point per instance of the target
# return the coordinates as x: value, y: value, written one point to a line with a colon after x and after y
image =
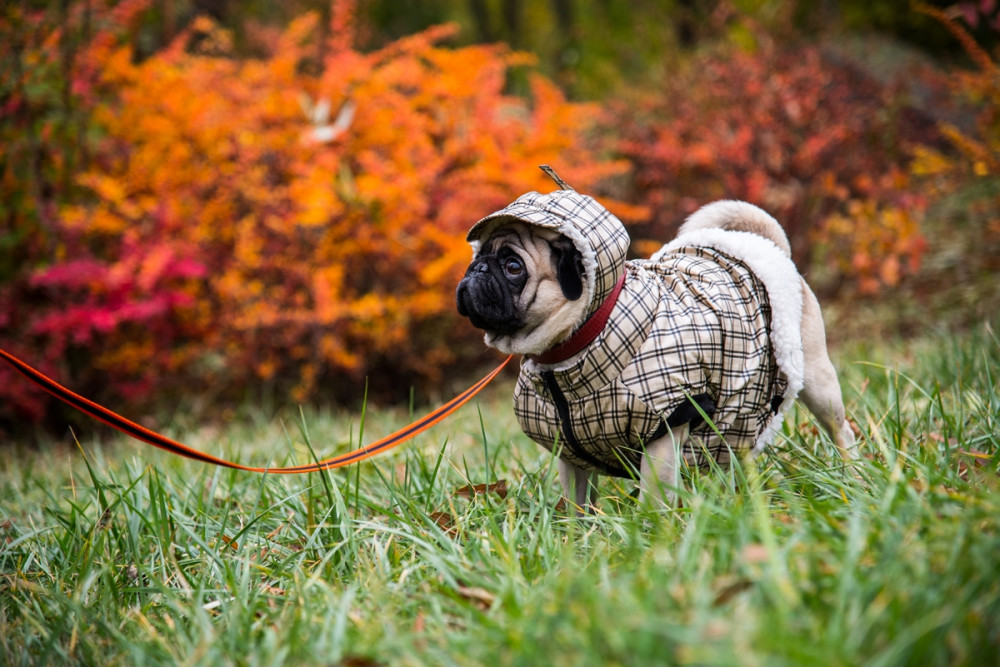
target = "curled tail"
x: 737, y: 216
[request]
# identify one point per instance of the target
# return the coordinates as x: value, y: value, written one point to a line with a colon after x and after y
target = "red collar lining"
x: 585, y: 335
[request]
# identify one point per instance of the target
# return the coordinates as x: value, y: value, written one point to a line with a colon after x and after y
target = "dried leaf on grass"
x: 979, y: 460
x: 730, y: 590
x: 480, y: 597
x: 499, y: 488
x: 980, y: 457
x: 359, y: 661
x: 445, y: 520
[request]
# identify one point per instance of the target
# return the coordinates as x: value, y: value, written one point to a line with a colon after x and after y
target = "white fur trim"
x: 737, y: 216
x: 784, y: 290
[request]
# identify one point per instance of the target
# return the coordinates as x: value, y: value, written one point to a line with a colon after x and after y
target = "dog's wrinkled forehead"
x: 514, y: 232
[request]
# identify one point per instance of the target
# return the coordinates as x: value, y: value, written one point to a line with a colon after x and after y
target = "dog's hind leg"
x: 576, y: 486
x: 821, y: 388
x: 659, y: 472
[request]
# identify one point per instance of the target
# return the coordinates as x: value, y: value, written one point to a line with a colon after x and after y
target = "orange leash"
x: 138, y: 432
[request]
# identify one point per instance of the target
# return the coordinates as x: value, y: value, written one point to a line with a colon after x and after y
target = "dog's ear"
x: 569, y: 267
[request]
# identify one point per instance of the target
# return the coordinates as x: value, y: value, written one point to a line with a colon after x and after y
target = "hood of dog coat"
x: 600, y: 237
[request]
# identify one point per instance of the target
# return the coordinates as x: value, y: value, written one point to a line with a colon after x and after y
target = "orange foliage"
x: 274, y: 220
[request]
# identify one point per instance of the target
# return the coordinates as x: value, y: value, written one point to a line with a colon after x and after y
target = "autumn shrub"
x: 296, y: 220
x: 962, y: 176
x: 974, y: 152
x: 798, y: 131
x: 50, y: 61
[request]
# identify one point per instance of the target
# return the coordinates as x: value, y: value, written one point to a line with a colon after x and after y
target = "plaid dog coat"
x: 708, y: 326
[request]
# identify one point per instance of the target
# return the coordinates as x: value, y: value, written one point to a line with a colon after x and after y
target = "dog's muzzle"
x: 487, y: 298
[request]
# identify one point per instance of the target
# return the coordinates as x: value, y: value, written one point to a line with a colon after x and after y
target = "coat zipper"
x: 562, y: 409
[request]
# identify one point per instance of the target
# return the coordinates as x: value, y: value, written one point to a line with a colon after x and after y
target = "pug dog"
x: 636, y: 368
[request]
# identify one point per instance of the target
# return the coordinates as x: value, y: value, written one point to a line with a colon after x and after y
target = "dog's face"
x: 524, y: 289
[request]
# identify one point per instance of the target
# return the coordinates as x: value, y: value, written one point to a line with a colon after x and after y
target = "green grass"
x: 115, y: 553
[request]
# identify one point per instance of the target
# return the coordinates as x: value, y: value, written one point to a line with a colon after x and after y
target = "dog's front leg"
x: 659, y: 472
x: 576, y: 486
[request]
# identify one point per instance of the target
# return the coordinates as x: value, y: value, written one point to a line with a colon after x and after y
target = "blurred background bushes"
x: 218, y: 201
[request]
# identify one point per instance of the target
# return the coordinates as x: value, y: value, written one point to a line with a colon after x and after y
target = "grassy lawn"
x: 114, y: 553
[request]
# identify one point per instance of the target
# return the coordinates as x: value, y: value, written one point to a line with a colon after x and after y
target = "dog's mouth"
x: 487, y: 304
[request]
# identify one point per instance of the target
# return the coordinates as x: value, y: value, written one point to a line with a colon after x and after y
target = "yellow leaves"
x: 297, y: 36
x: 266, y: 369
x: 333, y: 351
x: 890, y: 270
x: 445, y: 266
x: 213, y: 39
x: 75, y: 217
x: 626, y: 211
x: 327, y: 284
x: 881, y: 244
x: 645, y: 247
x: 982, y: 156
x: 118, y: 68
x: 979, y: 150
x: 106, y: 187
x: 319, y: 202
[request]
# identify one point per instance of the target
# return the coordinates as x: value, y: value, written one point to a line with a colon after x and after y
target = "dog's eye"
x: 513, y: 267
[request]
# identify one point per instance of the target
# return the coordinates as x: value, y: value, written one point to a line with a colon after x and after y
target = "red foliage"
x: 50, y: 62
x: 808, y: 138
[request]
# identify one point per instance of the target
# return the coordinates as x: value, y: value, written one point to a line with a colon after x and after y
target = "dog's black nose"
x: 482, y: 268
